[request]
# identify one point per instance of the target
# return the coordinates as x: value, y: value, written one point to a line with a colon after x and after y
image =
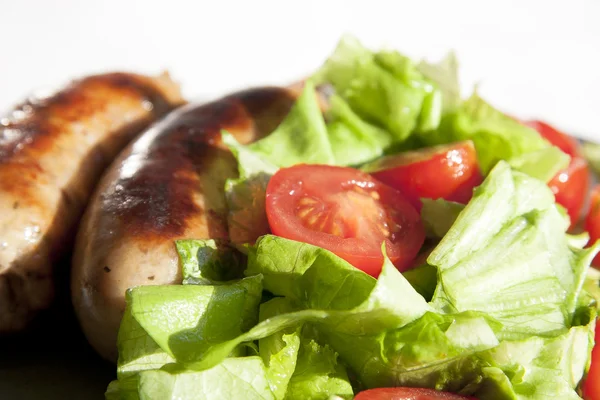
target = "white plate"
x: 533, y: 58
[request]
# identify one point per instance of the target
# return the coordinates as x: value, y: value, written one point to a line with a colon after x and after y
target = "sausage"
x: 53, y: 150
x: 168, y: 184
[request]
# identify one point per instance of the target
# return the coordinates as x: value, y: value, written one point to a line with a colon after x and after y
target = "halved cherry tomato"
x: 591, y: 386
x: 345, y: 211
x: 571, y: 185
x: 447, y: 171
x: 561, y: 140
x: 592, y: 221
x: 401, y: 393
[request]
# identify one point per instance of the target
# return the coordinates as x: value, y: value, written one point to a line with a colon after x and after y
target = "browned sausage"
x: 52, y: 152
x: 167, y: 185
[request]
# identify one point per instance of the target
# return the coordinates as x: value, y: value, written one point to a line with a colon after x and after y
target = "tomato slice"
x: 571, y: 185
x: 401, y: 393
x: 559, y: 139
x: 592, y: 221
x: 345, y: 211
x: 447, y: 171
x: 591, y: 385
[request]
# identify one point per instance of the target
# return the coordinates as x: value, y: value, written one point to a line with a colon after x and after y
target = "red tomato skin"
x: 401, y: 393
x: 448, y: 171
x: 561, y: 140
x: 570, y: 186
x: 361, y: 249
x: 591, y: 385
x: 592, y: 221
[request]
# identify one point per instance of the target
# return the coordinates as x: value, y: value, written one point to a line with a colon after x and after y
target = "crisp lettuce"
x: 300, y: 367
x: 208, y: 261
x: 383, y: 87
x: 353, y: 140
x: 245, y: 196
x: 301, y: 137
x: 507, y: 255
x: 234, y: 378
x: 444, y: 75
x: 504, y: 306
x: 439, y: 215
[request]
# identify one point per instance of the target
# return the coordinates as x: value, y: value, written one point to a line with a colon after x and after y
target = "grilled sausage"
x: 52, y: 153
x: 168, y: 184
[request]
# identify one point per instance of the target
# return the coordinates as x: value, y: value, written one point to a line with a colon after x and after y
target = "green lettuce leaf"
x: 301, y: 137
x: 206, y: 261
x: 299, y: 367
x: 507, y: 255
x: 137, y: 350
x: 318, y: 373
x: 353, y: 140
x: 279, y: 351
x: 385, y: 88
x: 245, y: 196
x: 539, y: 368
x: 423, y: 279
x: 439, y: 215
x: 234, y: 378
x: 186, y: 320
x: 435, y: 351
x: 499, y: 137
x: 358, y: 306
x: 445, y: 76
x: 318, y: 279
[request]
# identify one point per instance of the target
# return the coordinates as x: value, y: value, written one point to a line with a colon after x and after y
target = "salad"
x: 404, y: 242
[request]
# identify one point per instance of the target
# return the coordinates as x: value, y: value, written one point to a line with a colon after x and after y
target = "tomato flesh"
x: 448, y: 171
x: 591, y: 386
x: 570, y: 186
x: 345, y: 211
x: 401, y: 393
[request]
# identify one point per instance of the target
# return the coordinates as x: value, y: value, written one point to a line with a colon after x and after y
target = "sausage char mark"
x: 33, y: 127
x: 154, y: 193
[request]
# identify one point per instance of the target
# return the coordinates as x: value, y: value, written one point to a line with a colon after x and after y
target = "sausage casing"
x: 168, y: 184
x: 53, y: 150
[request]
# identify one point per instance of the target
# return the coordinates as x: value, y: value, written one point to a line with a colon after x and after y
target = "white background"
x: 533, y: 58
